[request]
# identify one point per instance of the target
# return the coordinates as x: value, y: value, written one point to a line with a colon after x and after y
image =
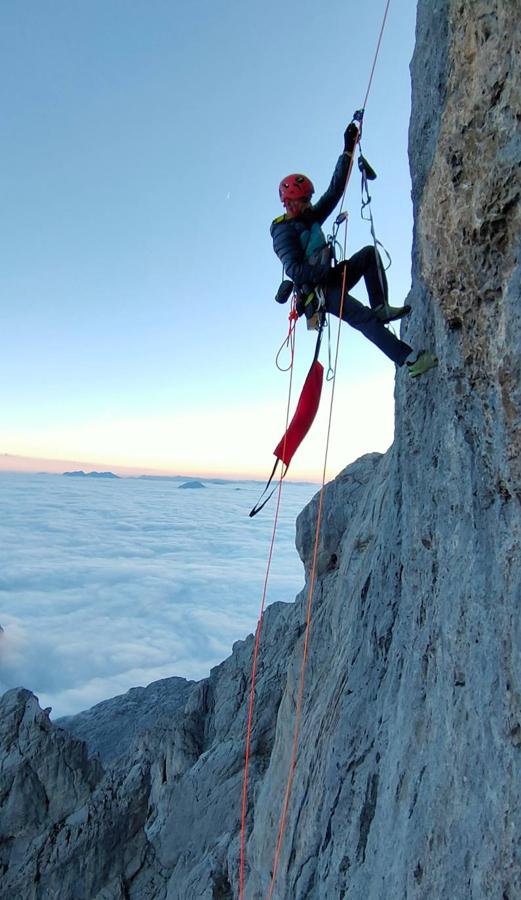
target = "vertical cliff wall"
x: 407, y: 782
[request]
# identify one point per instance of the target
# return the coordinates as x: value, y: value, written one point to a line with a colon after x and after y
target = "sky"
x: 142, y: 147
x: 110, y: 584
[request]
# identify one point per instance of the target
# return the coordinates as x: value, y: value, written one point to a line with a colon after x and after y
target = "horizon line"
x: 19, y: 464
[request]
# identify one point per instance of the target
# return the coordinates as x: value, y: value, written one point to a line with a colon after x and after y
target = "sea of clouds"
x: 109, y: 584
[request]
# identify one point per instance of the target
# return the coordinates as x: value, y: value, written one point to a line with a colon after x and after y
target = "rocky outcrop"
x: 110, y: 728
x: 408, y: 771
x: 147, y: 826
x: 44, y: 774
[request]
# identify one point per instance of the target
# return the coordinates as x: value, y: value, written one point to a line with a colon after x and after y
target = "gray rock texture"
x: 407, y: 779
x: 110, y: 727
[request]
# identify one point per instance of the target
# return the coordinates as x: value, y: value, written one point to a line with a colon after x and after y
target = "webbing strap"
x: 322, y: 314
x: 366, y: 205
x: 258, y: 506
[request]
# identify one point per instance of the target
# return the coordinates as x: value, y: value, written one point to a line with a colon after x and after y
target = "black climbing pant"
x: 364, y: 265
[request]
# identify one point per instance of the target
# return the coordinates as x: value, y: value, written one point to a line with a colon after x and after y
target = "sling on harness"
x: 301, y: 422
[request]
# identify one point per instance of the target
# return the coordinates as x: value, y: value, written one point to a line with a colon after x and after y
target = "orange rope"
x: 312, y: 579
x: 293, y: 319
x: 376, y: 53
x: 300, y: 695
x: 375, y: 58
x: 291, y: 342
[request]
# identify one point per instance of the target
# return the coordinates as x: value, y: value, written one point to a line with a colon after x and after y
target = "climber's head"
x: 295, y: 192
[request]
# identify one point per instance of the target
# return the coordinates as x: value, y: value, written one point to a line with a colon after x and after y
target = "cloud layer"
x: 105, y: 585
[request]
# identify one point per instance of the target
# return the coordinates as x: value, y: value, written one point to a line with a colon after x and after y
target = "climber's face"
x: 295, y: 208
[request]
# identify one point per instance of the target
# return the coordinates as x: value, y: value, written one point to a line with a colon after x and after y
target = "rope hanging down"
x: 244, y: 805
x: 307, y: 633
x: 300, y: 695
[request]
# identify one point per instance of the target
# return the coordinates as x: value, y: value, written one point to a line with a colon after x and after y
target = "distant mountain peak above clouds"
x: 82, y: 474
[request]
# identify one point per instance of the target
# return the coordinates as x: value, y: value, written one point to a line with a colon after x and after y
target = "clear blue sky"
x: 142, y: 145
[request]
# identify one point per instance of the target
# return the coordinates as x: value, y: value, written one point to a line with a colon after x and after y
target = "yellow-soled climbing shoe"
x: 423, y: 362
x: 386, y: 313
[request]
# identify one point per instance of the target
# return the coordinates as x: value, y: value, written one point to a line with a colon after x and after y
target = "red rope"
x: 293, y: 319
x: 312, y: 579
x: 376, y: 53
x: 290, y: 340
x: 300, y: 695
x: 307, y: 634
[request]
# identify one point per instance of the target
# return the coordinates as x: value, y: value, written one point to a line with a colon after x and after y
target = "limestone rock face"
x: 110, y: 727
x: 407, y: 771
x: 44, y: 775
x: 67, y: 829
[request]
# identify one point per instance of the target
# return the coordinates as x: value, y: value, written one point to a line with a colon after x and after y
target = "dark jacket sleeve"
x: 288, y: 248
x: 325, y: 206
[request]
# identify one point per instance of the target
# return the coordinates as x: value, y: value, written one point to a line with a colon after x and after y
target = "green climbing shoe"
x: 386, y: 313
x: 423, y: 362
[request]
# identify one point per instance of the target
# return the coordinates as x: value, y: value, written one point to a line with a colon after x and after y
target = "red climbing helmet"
x: 295, y: 187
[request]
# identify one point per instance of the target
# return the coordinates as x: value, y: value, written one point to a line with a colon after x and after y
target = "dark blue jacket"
x: 289, y: 235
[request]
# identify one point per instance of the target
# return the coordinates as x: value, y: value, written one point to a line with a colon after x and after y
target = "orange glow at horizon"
x: 212, y: 443
x: 27, y: 464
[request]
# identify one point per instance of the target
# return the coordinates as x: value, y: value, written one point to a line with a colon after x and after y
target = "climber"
x: 300, y: 244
